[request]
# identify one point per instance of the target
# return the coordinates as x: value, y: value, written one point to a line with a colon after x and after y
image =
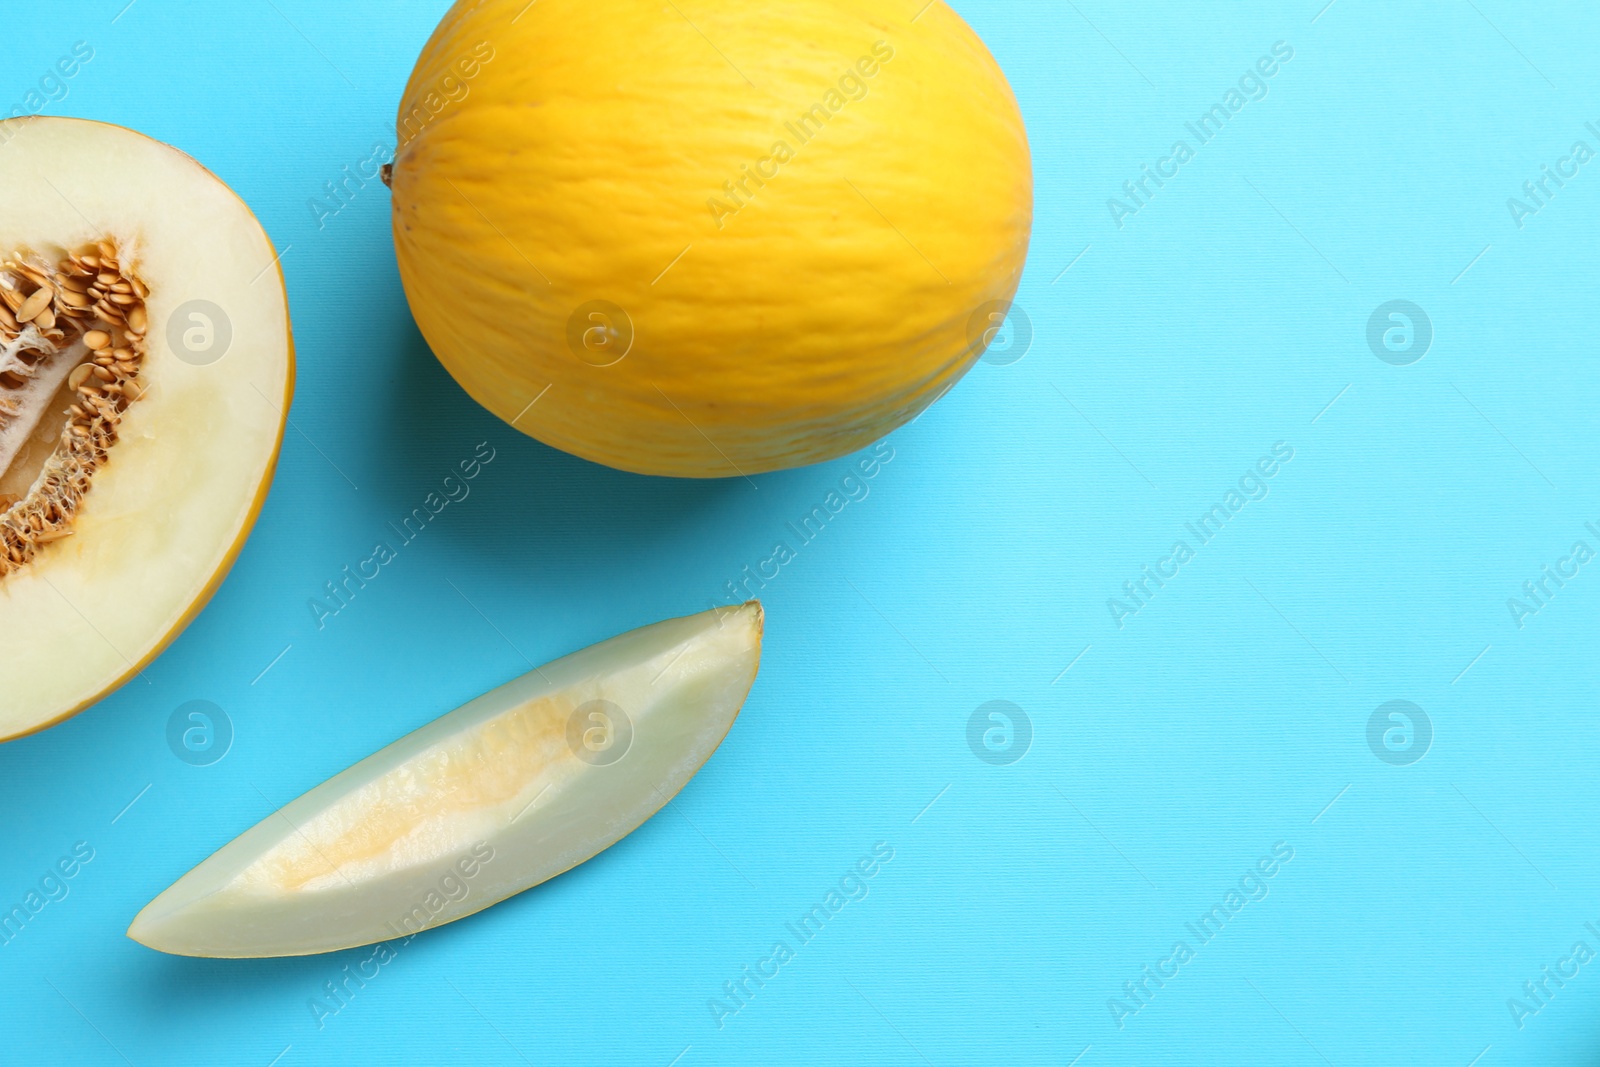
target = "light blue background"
x: 1227, y: 315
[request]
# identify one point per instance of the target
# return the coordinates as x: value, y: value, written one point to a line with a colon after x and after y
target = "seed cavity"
x: 78, y: 327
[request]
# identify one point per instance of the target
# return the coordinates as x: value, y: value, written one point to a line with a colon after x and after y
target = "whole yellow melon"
x: 706, y: 238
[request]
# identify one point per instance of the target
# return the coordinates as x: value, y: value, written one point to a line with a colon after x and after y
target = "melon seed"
x: 36, y: 303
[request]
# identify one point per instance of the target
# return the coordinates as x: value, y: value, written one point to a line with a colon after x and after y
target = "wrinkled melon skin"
x: 583, y: 158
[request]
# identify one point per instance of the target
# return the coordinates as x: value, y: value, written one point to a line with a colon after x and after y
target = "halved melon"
x: 145, y: 374
x: 500, y: 795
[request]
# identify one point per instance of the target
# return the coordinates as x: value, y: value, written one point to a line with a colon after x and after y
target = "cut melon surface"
x: 146, y: 367
x: 505, y: 792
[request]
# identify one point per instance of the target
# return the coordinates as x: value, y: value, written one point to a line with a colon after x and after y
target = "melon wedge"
x: 506, y: 792
x: 146, y: 368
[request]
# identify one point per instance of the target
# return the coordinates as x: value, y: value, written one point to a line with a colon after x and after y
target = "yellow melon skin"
x: 571, y: 151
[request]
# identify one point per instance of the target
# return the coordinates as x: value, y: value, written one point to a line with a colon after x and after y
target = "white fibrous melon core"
x: 145, y: 371
x: 72, y: 338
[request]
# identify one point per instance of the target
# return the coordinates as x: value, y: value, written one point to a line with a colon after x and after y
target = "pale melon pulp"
x: 494, y: 798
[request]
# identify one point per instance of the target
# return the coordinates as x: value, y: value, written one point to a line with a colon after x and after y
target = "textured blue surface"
x: 1227, y: 717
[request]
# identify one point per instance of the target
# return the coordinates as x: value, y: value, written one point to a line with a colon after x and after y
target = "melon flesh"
x: 177, y: 487
x: 505, y: 792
